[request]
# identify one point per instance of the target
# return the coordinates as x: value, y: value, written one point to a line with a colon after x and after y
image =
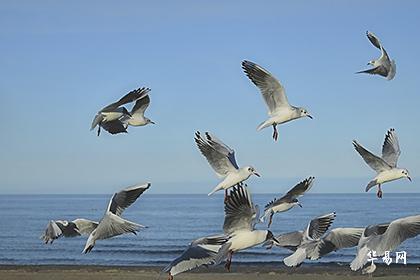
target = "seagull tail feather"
x: 264, y: 124
x: 371, y: 185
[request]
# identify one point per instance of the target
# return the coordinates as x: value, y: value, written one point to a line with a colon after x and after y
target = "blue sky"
x: 61, y: 62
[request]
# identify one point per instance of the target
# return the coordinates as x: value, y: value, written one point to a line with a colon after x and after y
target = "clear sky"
x: 61, y: 62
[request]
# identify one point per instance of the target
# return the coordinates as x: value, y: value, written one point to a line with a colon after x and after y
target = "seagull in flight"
x: 377, y: 239
x: 110, y: 116
x: 385, y: 166
x: 201, y: 251
x: 112, y: 224
x: 383, y: 66
x: 279, y: 109
x: 241, y: 216
x: 222, y: 159
x: 58, y: 228
x: 287, y: 201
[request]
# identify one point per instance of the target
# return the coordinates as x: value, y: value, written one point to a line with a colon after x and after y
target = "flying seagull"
x: 385, y: 166
x: 383, y: 66
x: 77, y: 227
x: 135, y: 118
x: 334, y: 240
x: 116, y: 111
x: 279, y: 109
x: 201, y: 251
x: 112, y: 224
x: 222, y: 159
x: 287, y: 201
x: 304, y: 243
x: 239, y: 226
x: 377, y: 239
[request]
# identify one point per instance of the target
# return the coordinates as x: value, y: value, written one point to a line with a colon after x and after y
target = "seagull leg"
x: 379, y: 193
x: 170, y: 277
x: 99, y: 130
x: 229, y: 261
x: 271, y: 219
x: 275, y: 133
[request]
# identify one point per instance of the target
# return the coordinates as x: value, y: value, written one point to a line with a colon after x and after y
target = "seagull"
x: 279, y: 109
x: 201, y: 251
x: 334, y: 240
x: 383, y: 66
x: 304, y: 243
x: 112, y: 224
x: 135, y: 118
x: 77, y: 227
x: 377, y: 239
x: 288, y: 201
x: 116, y: 111
x: 241, y: 216
x: 222, y: 159
x: 385, y: 166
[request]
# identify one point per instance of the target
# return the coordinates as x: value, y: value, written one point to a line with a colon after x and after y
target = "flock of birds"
x: 241, y: 215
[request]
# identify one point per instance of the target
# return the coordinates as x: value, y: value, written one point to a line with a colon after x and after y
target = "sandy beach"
x: 242, y: 272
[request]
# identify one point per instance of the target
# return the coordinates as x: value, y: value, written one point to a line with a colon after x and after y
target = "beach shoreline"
x: 240, y: 271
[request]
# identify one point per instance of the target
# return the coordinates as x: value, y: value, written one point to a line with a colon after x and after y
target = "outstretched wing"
x: 379, y: 70
x: 375, y: 162
x: 318, y: 226
x: 114, y: 127
x: 271, y: 89
x: 84, y: 226
x: 336, y: 239
x: 123, y: 199
x: 142, y: 103
x: 240, y: 212
x: 220, y: 157
x: 128, y: 98
x: 300, y: 188
x: 373, y: 39
x: 391, y: 148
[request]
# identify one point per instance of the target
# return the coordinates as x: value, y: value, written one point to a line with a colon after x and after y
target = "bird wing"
x: 112, y: 225
x: 290, y: 240
x: 397, y: 232
x: 97, y: 120
x: 300, y: 188
x: 318, y: 226
x: 375, y: 162
x: 142, y: 103
x: 123, y: 199
x: 239, y: 210
x: 52, y: 232
x: 271, y: 89
x: 374, y: 39
x: 379, y: 70
x: 336, y: 239
x: 391, y: 148
x: 114, y: 127
x: 84, y: 226
x: 200, y: 252
x: 220, y: 157
x: 128, y: 98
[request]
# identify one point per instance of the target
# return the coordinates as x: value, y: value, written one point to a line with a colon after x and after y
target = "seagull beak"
x: 256, y: 174
x: 309, y: 116
x: 300, y: 205
x: 275, y: 240
x: 409, y: 178
x: 152, y: 122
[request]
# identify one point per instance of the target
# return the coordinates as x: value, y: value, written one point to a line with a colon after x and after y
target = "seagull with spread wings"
x: 286, y: 202
x: 59, y: 228
x: 385, y: 166
x: 279, y: 109
x: 241, y: 216
x: 222, y: 159
x: 382, y: 66
x: 377, y: 239
x: 115, y: 118
x: 112, y: 224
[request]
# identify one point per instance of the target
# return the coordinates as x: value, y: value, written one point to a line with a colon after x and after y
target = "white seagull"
x: 385, y: 166
x: 239, y: 226
x: 222, y: 159
x: 58, y: 228
x: 112, y: 224
x: 279, y: 109
x: 383, y: 66
x: 201, y: 251
x: 110, y: 116
x: 289, y: 200
x: 377, y: 239
x: 135, y: 118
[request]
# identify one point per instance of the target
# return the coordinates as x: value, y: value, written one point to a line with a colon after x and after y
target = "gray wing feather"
x: 84, y: 226
x: 318, y: 226
x: 373, y: 39
x: 142, y: 103
x: 294, y: 192
x: 128, y: 98
x: 271, y: 89
x: 112, y: 225
x: 114, y: 127
x: 375, y: 162
x: 379, y: 70
x: 239, y: 210
x: 123, y: 199
x: 290, y: 240
x: 391, y: 148
x: 336, y: 239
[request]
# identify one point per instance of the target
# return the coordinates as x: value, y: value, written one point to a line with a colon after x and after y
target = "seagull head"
x: 149, y: 121
x: 252, y: 171
x: 404, y: 173
x: 372, y: 62
x: 296, y: 202
x: 304, y: 113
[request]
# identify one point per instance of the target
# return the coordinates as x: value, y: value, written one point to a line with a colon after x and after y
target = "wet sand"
x: 239, y: 272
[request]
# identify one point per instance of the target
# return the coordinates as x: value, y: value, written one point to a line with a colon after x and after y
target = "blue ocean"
x: 173, y: 221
